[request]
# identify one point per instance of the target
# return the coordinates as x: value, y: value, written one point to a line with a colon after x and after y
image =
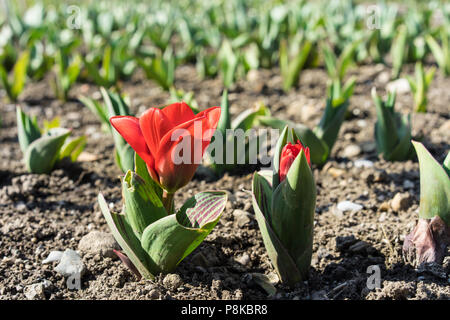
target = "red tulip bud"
x: 288, y: 155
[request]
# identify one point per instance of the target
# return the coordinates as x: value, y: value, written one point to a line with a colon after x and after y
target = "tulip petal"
x: 178, y: 113
x: 154, y: 124
x: 128, y: 128
x: 174, y: 176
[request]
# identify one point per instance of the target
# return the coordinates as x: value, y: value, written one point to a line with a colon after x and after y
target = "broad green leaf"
x: 27, y: 129
x: 434, y: 186
x: 280, y: 258
x: 20, y: 74
x: 125, y: 157
x: 292, y: 214
x: 318, y: 148
x: 73, y: 148
x: 249, y: 118
x: 42, y: 154
x: 169, y: 240
x: 142, y: 204
x: 141, y: 169
x: 127, y: 240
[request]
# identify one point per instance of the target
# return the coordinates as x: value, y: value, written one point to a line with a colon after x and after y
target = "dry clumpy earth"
x: 43, y: 213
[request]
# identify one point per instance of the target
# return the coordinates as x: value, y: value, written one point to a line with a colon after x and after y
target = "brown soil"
x: 41, y: 213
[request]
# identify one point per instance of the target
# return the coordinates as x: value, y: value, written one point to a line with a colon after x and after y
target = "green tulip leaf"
x: 42, y: 154
x: 292, y: 213
x: 224, y: 120
x: 318, y: 148
x: 250, y: 117
x: 434, y: 186
x: 142, y: 204
x: 27, y: 129
x: 282, y: 140
x: 73, y: 148
x: 127, y: 240
x: 169, y: 240
x: 283, y: 263
x: 141, y: 169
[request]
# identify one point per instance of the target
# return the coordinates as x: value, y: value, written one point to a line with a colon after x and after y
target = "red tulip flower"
x: 157, y: 137
x: 288, y: 155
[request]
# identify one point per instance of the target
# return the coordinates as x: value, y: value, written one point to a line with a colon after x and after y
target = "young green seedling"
x: 292, y: 60
x: 232, y: 144
x: 392, y: 130
x: 441, y: 53
x: 43, y: 149
x: 66, y: 73
x: 113, y: 105
x: 160, y: 68
x: 398, y: 50
x: 322, y: 138
x: 15, y: 83
x: 430, y: 238
x: 419, y: 86
x: 337, y: 66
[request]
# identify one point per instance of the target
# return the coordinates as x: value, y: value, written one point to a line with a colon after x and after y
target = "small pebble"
x: 172, y: 281
x: 35, y: 292
x: 101, y: 243
x: 351, y: 151
x: 335, y: 172
x: 407, y: 184
x: 244, y: 259
x: 401, y: 202
x: 362, y: 163
x: 399, y: 86
x: 348, y: 206
x: 241, y: 217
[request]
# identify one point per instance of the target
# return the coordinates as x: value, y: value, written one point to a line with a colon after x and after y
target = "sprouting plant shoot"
x: 66, y: 73
x: 430, y: 238
x: 113, y: 105
x: 232, y: 135
x: 43, y: 149
x: 392, y: 130
x: 284, y: 202
x: 14, y: 84
x: 160, y: 68
x: 419, y: 86
x: 337, y: 66
x: 322, y: 138
x: 293, y: 59
x: 398, y: 51
x: 441, y: 52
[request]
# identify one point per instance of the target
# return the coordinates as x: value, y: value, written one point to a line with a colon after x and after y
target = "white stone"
x: 362, y: 163
x: 53, y: 256
x: 399, y: 85
x: 348, y: 206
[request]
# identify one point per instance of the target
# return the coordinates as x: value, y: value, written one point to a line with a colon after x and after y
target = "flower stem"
x: 167, y: 199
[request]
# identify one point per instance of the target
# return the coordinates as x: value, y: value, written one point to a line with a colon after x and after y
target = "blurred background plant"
x: 105, y: 42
